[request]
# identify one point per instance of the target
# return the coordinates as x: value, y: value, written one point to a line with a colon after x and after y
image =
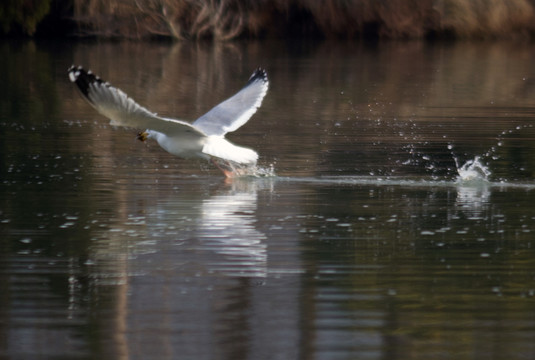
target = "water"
x: 397, y: 219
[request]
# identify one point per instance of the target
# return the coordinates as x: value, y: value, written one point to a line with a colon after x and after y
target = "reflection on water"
x: 400, y: 222
x: 228, y: 228
x: 222, y: 224
x: 474, y: 197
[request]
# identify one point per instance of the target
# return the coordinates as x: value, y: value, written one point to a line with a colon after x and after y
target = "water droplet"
x: 67, y: 225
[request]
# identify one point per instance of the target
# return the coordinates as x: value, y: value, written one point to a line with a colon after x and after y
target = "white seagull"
x: 204, y: 138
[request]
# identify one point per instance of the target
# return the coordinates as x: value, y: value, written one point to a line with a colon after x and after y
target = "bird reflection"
x: 189, y: 232
x: 227, y: 227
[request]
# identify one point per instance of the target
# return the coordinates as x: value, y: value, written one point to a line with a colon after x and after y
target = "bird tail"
x: 219, y: 147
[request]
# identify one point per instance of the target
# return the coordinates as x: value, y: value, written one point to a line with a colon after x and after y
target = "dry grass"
x: 487, y: 18
x: 228, y: 19
x: 180, y: 19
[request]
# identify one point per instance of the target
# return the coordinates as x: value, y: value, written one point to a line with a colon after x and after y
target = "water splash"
x: 254, y: 171
x: 261, y: 171
x: 475, y: 171
x: 472, y: 171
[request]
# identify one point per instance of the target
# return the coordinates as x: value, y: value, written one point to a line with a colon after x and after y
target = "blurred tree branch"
x: 230, y: 19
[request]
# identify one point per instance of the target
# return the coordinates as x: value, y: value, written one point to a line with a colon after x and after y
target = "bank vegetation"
x: 231, y: 19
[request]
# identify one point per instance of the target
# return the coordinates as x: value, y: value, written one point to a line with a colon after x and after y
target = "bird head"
x: 143, y: 135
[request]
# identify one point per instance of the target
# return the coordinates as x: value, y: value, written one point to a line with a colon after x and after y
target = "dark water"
x: 365, y: 245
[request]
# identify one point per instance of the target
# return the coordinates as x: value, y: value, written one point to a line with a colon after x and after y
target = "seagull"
x: 204, y: 138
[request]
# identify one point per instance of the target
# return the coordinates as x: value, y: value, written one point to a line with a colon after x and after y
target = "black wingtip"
x: 259, y: 74
x: 83, y: 79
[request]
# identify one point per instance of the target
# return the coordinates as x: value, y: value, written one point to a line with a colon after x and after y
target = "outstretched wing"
x: 122, y: 110
x: 237, y: 110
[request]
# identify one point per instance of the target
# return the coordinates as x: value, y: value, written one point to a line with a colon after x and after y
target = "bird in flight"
x: 204, y: 138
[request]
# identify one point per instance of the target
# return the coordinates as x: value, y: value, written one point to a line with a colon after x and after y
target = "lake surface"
x: 364, y: 243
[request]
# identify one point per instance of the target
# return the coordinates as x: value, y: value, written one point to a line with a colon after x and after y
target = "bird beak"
x: 142, y: 136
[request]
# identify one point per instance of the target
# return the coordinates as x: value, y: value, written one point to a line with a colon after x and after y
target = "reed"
x: 229, y: 19
x: 487, y: 18
x: 22, y: 16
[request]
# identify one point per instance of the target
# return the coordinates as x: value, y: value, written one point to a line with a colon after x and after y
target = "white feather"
x: 202, y: 139
x: 222, y: 148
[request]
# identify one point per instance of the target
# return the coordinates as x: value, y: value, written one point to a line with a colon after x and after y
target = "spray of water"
x: 261, y: 171
x: 475, y: 170
x: 254, y: 171
x: 472, y: 171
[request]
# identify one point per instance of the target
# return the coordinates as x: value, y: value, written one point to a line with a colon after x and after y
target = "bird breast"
x: 183, y: 145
